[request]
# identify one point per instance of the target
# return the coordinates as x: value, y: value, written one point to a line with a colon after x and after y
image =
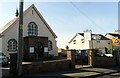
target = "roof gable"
x: 114, y: 35
x: 78, y: 34
x: 93, y: 35
x: 101, y: 37
x: 6, y: 27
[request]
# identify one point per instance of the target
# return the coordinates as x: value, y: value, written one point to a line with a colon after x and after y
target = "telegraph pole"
x: 20, y: 39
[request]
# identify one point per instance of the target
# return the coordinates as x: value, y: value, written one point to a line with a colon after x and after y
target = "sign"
x: 46, y: 49
x: 31, y: 49
x: 116, y: 42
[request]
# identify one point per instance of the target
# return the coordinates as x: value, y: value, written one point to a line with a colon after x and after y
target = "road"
x: 80, y: 72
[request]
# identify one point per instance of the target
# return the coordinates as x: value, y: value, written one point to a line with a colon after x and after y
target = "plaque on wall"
x: 46, y: 49
x: 31, y: 49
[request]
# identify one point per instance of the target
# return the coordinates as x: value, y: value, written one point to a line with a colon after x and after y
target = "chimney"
x: 88, y: 34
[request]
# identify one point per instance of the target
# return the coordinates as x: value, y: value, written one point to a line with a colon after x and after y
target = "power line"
x: 87, y: 17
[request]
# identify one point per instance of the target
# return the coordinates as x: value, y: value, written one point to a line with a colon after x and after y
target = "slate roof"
x: 82, y: 34
x: 102, y: 37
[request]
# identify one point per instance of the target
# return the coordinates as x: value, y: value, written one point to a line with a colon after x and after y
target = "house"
x: 62, y: 51
x: 39, y: 38
x: 87, y: 40
x: 115, y: 37
x: 117, y: 31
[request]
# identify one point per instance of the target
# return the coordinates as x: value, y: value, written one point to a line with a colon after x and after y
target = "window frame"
x: 74, y: 41
x: 32, y: 29
x: 12, y: 45
x: 82, y: 40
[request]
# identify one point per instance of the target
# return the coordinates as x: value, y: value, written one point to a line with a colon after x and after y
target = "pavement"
x: 80, y: 72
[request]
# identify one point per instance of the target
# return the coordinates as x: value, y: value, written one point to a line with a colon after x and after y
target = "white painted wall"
x: 42, y: 29
x: 9, y: 34
x: 0, y: 44
x: 79, y: 45
x: 12, y: 32
x: 88, y: 44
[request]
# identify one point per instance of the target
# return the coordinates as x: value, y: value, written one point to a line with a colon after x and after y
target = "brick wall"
x: 43, y: 66
x: 51, y: 66
x: 104, y: 61
x: 46, y: 66
x: 13, y: 63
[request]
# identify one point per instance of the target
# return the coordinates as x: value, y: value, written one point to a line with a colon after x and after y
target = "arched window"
x: 12, y: 45
x: 32, y: 29
x: 50, y: 47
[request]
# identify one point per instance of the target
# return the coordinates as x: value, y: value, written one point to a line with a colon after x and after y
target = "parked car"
x: 3, y: 59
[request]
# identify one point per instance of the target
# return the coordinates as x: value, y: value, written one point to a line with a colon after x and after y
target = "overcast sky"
x: 69, y: 17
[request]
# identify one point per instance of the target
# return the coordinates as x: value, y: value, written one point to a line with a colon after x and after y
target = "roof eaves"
x: 44, y: 21
x: 73, y: 37
x: 9, y: 24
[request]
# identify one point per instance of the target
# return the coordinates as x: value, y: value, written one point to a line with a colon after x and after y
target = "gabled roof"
x: 9, y: 24
x: 76, y: 35
x: 114, y: 35
x: 1, y: 35
x: 82, y: 34
x: 6, y: 27
x: 102, y: 37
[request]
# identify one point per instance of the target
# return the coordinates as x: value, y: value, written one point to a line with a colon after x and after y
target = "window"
x: 32, y: 29
x: 109, y: 42
x: 98, y: 41
x: 50, y: 45
x: 74, y: 41
x: 12, y: 45
x: 82, y: 40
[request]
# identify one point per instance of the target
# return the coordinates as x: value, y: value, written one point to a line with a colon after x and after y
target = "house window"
x: 50, y: 47
x: 82, y: 40
x: 32, y: 29
x: 32, y: 12
x: 109, y: 43
x: 98, y: 41
x: 74, y: 41
x: 12, y: 45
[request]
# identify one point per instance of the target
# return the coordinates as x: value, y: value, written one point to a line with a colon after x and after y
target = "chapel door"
x: 39, y: 50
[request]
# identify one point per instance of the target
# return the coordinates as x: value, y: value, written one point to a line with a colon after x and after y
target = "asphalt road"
x: 80, y: 72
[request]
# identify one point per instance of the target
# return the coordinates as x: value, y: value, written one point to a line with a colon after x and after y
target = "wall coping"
x: 13, y: 53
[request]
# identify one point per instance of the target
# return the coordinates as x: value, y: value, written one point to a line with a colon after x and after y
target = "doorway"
x: 39, y: 50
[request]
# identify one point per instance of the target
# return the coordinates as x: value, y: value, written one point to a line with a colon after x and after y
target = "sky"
x: 68, y: 17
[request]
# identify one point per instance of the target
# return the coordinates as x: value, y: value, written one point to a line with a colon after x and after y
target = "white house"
x: 87, y: 40
x: 37, y: 34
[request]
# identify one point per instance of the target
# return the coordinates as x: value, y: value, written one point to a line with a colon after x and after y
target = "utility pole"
x: 20, y: 39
